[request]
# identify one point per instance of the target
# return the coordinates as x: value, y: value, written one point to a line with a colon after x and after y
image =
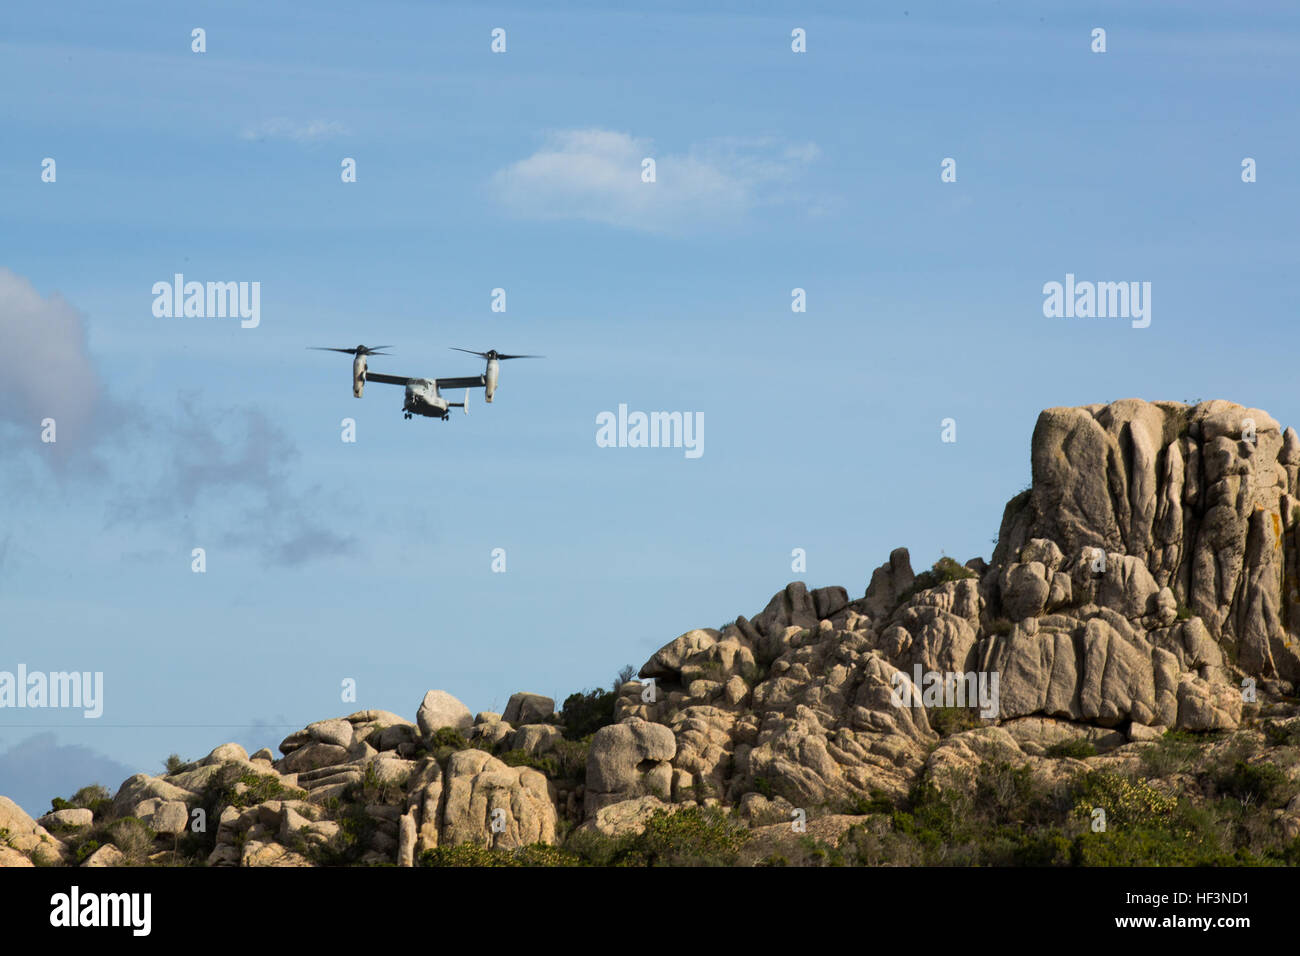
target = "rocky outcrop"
x: 486, y: 802
x: 1133, y: 588
x: 439, y: 709
x: 24, y: 835
x: 1144, y: 579
x: 629, y: 760
x: 525, y: 708
x: 1202, y: 500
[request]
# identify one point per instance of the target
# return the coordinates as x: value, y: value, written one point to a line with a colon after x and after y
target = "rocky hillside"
x: 1137, y: 624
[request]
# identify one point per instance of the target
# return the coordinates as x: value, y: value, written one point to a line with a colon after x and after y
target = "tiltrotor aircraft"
x: 423, y: 396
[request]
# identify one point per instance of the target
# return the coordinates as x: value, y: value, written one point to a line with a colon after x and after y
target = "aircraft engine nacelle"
x: 358, y: 375
x: 493, y: 373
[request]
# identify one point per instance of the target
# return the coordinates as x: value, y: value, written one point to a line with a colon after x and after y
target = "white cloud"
x: 595, y: 175
x: 296, y: 130
x: 48, y: 372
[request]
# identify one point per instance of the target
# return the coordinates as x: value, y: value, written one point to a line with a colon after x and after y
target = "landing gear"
x: 406, y: 415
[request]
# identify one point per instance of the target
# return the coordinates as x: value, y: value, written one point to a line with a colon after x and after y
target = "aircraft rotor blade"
x: 358, y: 350
x: 493, y: 354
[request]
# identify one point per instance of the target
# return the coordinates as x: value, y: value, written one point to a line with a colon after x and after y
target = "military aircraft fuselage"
x: 422, y: 398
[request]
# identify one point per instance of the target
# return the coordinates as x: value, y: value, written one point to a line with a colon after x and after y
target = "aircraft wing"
x: 385, y: 379
x: 470, y: 381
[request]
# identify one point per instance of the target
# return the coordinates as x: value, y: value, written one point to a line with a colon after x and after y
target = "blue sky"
x: 521, y: 170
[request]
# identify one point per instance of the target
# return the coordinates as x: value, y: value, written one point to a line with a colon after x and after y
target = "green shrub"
x: 1000, y: 816
x: 1175, y: 752
x: 946, y: 721
x: 586, y: 712
x: 1258, y: 783
x: 570, y: 758
x: 944, y: 570
x: 694, y: 836
x: 1282, y: 733
x: 94, y: 798
x: 1186, y: 836
x: 1005, y: 793
x: 592, y: 847
x: 863, y: 804
x: 819, y: 853
x: 133, y: 838
x: 1079, y: 748
x: 174, y: 763
x: 448, y: 737
x: 463, y: 854
x: 543, y: 854
x: 1127, y: 802
x: 448, y: 740
x: 370, y: 789
x: 347, y: 846
x: 544, y: 763
x: 258, y: 789
x: 476, y: 855
x: 938, y: 823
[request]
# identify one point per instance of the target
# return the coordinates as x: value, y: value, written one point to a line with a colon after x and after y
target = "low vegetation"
x: 586, y: 712
x: 94, y: 798
x: 693, y: 836
x: 944, y: 570
x: 1100, y: 818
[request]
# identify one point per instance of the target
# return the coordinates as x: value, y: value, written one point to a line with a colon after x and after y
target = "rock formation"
x: 1146, y: 576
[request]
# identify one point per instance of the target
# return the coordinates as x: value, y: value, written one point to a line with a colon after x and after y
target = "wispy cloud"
x: 236, y: 460
x: 298, y: 131
x: 154, y: 467
x: 596, y: 175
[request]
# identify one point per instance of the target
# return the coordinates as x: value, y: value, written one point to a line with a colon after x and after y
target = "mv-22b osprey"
x: 422, y: 394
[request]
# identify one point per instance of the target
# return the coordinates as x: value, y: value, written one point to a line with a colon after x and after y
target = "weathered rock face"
x: 489, y: 803
x: 143, y: 787
x: 626, y: 816
x: 439, y: 709
x: 1102, y: 671
x: 528, y: 709
x: 25, y: 835
x: 888, y: 583
x: 1199, y: 499
x: 68, y: 818
x: 629, y: 760
x: 793, y: 705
